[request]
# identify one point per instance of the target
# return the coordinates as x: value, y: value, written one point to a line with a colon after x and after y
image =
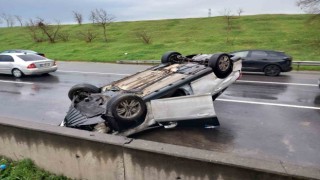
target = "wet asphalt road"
x: 269, y: 117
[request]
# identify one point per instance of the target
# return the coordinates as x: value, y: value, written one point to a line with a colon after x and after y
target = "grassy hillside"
x: 289, y: 33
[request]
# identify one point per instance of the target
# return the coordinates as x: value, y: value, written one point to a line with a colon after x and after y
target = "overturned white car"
x: 181, y: 88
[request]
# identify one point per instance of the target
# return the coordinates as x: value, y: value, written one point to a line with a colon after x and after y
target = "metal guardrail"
x: 298, y: 63
x: 139, y: 62
x: 306, y: 63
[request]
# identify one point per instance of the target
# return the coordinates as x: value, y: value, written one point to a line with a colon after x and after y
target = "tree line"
x: 41, y: 30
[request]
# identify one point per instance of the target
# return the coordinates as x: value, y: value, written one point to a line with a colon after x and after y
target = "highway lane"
x: 44, y: 98
x: 273, y: 117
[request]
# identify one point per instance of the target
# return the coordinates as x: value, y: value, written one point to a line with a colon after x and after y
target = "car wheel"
x: 128, y: 109
x: 221, y: 65
x: 170, y: 57
x: 82, y: 91
x: 17, y: 73
x: 272, y: 70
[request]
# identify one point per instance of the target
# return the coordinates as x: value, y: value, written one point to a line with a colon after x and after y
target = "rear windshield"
x: 31, y: 57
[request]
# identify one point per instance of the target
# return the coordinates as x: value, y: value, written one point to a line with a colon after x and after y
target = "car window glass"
x: 258, y: 53
x: 275, y: 54
x: 241, y: 54
x: 31, y: 57
x: 28, y: 51
x: 6, y: 58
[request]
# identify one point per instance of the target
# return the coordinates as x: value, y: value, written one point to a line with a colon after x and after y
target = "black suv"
x: 272, y: 63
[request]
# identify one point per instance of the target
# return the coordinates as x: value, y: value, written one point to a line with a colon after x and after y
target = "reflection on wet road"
x: 258, y: 129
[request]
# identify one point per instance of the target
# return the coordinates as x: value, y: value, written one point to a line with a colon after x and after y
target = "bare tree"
x: 144, y: 36
x: 88, y: 35
x: 310, y: 6
x: 34, y: 30
x: 64, y: 36
x: 78, y: 17
x: 9, y: 19
x: 19, y: 19
x: 103, y: 19
x: 4, y: 17
x: 92, y: 16
x: 12, y: 21
x: 240, y: 11
x: 228, y: 18
x: 51, y: 31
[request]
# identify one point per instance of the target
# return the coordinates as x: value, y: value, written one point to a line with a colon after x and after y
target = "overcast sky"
x: 132, y: 10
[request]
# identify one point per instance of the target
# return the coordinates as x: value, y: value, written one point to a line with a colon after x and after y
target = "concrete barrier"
x: 87, y: 155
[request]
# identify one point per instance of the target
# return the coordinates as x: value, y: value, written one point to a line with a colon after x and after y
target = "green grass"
x: 289, y: 33
x: 25, y: 170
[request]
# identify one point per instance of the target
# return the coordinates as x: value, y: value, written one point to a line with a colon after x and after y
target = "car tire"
x: 221, y: 65
x: 272, y: 70
x: 17, y: 73
x: 82, y: 90
x: 170, y: 57
x: 128, y: 109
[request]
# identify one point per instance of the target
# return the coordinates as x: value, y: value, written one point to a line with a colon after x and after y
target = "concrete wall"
x: 86, y: 155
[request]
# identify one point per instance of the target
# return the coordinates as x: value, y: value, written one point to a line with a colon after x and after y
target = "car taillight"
x: 31, y: 66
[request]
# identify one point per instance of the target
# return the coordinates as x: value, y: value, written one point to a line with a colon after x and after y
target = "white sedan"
x: 19, y: 64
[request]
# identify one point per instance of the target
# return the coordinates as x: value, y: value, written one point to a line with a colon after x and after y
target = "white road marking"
x: 218, y: 99
x: 241, y: 81
x: 82, y: 72
x: 278, y: 83
x: 16, y: 82
x: 269, y: 104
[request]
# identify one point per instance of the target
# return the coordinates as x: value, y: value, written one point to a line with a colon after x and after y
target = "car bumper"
x: 40, y: 71
x: 286, y: 69
x: 76, y: 118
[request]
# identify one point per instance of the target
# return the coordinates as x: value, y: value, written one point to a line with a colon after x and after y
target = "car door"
x: 255, y: 61
x: 244, y: 56
x: 6, y: 64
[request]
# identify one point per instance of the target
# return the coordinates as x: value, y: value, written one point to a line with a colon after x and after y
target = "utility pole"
x: 209, y: 12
